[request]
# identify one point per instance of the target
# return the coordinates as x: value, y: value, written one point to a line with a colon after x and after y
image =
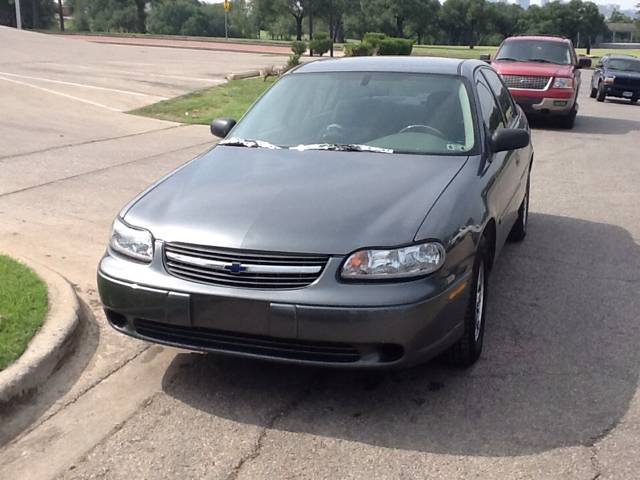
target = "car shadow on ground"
x: 560, y: 364
x: 589, y: 125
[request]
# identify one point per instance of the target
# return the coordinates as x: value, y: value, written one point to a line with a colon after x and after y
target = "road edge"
x: 51, y: 344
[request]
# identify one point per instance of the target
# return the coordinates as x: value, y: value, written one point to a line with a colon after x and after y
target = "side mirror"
x: 510, y: 139
x: 584, y: 63
x: 599, y: 65
x: 485, y: 57
x: 220, y: 127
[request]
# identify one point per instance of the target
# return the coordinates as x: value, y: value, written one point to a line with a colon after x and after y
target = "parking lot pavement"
x: 555, y: 394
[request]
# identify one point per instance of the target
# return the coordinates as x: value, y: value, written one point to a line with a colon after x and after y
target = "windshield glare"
x: 535, y: 50
x: 408, y: 113
x: 624, y: 64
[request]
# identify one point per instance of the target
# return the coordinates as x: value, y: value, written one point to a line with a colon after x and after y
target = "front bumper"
x: 545, y: 106
x: 327, y: 323
x: 622, y: 91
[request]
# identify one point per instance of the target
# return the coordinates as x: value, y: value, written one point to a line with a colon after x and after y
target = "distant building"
x: 608, y: 9
x: 524, y: 3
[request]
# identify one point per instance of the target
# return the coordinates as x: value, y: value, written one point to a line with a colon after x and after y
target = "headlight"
x: 411, y: 261
x: 130, y: 241
x: 563, y: 82
x: 609, y: 79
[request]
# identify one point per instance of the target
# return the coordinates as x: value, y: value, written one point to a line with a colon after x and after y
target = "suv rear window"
x: 535, y: 51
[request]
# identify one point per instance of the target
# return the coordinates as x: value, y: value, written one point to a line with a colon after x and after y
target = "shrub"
x: 357, y: 49
x: 395, y: 46
x: 270, y: 71
x: 298, y: 47
x: 374, y: 39
x: 321, y: 43
x: 294, y: 61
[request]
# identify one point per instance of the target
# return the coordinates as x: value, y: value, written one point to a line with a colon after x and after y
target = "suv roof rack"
x: 540, y: 35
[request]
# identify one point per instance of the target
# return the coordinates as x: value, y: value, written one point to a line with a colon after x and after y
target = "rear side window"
x: 502, y: 94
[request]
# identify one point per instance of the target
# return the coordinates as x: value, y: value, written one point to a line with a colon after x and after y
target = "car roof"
x: 540, y: 38
x: 621, y: 56
x: 436, y: 65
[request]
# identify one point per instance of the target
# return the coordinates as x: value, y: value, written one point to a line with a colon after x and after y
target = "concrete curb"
x: 242, y: 75
x: 51, y: 343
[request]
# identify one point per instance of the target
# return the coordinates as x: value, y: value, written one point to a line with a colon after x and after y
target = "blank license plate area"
x: 627, y: 94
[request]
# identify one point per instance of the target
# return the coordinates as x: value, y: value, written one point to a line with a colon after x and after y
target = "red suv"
x: 543, y: 75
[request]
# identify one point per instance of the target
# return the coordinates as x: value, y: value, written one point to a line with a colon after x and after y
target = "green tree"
x: 270, y: 11
x: 504, y: 19
x: 115, y: 15
x: 36, y: 14
x: 241, y: 19
x: 466, y: 18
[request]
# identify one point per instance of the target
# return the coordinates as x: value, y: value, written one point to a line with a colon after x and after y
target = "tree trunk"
x: 36, y: 14
x: 298, y: 27
x: 60, y: 14
x: 399, y: 24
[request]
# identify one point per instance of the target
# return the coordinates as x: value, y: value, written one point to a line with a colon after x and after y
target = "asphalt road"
x: 553, y: 396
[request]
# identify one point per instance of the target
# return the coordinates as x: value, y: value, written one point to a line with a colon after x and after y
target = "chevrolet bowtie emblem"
x: 235, y: 268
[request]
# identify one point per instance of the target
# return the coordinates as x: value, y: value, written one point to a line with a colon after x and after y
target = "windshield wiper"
x: 241, y: 142
x: 342, y: 147
x: 542, y: 60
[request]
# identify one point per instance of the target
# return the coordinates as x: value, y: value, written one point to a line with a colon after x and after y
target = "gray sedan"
x: 350, y: 218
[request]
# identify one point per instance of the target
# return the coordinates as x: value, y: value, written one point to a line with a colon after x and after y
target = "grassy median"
x: 229, y: 100
x: 23, y: 307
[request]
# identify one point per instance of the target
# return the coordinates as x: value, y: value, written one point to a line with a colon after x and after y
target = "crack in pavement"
x: 596, y: 464
x: 60, y: 147
x: 102, y: 169
x: 278, y: 415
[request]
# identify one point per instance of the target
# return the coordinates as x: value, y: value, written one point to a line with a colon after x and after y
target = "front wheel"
x: 467, y: 350
x: 519, y: 229
x: 569, y: 120
x: 601, y: 94
x: 634, y: 100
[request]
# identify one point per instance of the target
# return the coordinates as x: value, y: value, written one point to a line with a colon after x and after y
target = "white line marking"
x: 137, y: 73
x: 82, y: 85
x: 61, y: 94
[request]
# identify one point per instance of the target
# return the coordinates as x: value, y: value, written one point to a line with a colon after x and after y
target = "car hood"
x: 532, y: 68
x: 626, y: 74
x: 327, y: 202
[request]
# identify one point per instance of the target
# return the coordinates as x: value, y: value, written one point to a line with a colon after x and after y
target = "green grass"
x: 229, y: 100
x: 23, y: 306
x: 455, y: 51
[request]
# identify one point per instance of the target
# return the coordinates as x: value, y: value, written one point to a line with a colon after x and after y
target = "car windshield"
x: 361, y: 111
x: 535, y: 51
x: 625, y: 64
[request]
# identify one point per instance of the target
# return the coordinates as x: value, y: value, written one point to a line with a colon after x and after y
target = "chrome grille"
x: 242, y: 268
x: 527, y: 82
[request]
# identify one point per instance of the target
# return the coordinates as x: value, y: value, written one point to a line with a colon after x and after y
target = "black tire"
x: 601, y: 95
x: 466, y: 351
x: 634, y: 100
x: 519, y: 229
x: 593, y: 93
x: 568, y: 121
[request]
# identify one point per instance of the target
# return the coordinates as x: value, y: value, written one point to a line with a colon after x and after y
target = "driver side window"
x: 491, y: 113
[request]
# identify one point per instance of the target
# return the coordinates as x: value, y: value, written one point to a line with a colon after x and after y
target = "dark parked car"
x: 616, y: 76
x: 350, y: 218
